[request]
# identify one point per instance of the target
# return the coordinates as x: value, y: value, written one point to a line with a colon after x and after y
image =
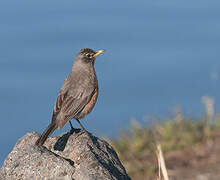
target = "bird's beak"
x: 98, y: 53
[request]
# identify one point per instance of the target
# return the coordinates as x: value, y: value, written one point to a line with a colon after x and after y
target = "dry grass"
x: 137, y: 146
x: 161, y: 164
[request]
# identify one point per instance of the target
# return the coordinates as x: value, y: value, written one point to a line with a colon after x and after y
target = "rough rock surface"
x: 70, y: 156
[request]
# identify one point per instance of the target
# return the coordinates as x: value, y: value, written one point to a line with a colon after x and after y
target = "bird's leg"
x: 83, y: 129
x: 72, y: 128
x: 82, y: 126
x: 71, y: 125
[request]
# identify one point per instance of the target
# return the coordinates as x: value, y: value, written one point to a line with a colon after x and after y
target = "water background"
x: 159, y: 55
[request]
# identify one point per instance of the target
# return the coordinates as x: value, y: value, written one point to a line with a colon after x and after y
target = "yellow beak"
x: 98, y: 53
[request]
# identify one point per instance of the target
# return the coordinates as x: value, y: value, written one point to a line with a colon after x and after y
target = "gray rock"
x: 76, y: 156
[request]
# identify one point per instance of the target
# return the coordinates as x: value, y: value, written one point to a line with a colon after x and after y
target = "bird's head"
x: 87, y: 55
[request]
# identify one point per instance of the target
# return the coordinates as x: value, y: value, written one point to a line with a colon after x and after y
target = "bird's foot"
x: 85, y: 131
x: 74, y: 130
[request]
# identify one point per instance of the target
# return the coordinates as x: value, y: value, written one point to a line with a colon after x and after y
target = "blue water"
x: 159, y: 54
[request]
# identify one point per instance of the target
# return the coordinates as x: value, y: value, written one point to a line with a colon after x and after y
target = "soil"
x: 200, y: 162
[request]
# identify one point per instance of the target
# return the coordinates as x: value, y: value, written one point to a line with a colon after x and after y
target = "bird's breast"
x: 89, y: 106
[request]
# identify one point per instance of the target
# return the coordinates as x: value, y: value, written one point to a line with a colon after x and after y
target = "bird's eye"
x: 88, y: 55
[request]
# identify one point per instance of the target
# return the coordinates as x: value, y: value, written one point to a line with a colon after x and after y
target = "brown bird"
x: 78, y: 94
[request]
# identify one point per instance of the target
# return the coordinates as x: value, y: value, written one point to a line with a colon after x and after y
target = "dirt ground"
x: 200, y: 162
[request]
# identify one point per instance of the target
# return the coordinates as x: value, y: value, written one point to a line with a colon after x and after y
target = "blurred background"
x: 159, y: 55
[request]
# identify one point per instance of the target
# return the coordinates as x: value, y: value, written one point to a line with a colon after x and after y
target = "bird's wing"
x: 72, y: 98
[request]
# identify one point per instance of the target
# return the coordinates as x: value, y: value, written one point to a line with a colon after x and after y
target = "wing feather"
x: 73, y: 97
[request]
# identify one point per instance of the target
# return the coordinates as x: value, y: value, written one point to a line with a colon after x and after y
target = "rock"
x: 70, y: 156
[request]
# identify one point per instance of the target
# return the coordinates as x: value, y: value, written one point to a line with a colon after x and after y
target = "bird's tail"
x: 50, y: 129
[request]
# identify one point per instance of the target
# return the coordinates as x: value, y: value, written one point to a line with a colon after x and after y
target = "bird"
x: 77, y: 96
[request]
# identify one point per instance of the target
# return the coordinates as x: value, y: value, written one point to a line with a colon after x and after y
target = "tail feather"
x: 50, y: 129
